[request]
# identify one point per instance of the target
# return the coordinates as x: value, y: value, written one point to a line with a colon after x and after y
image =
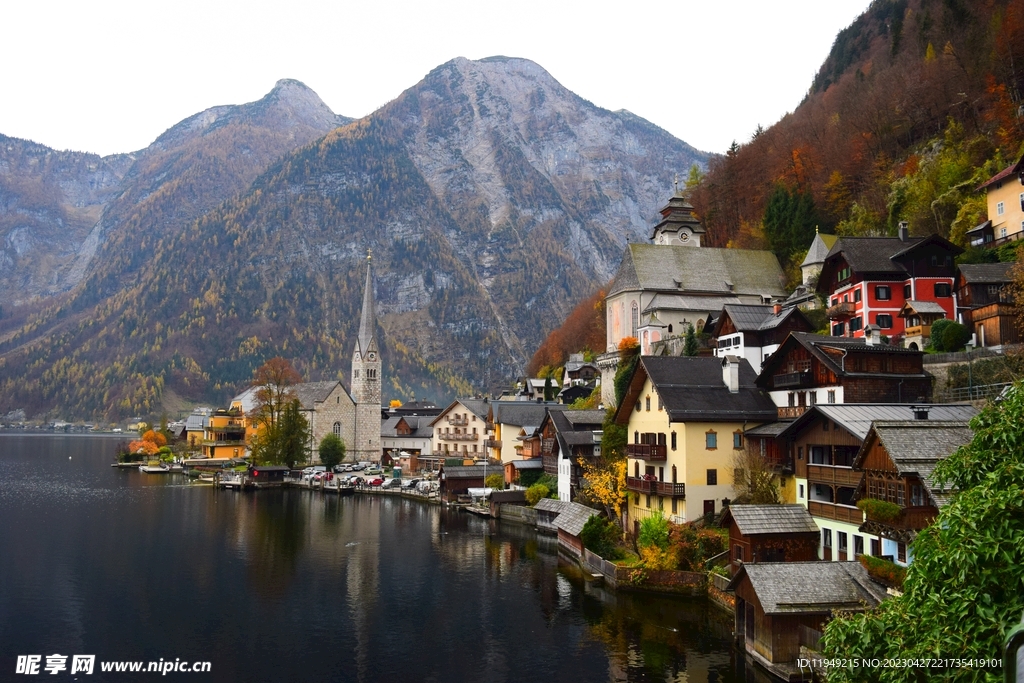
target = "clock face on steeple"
x: 684, y: 235
x: 371, y: 356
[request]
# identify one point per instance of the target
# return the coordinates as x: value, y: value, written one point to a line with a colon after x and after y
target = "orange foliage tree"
x: 583, y: 329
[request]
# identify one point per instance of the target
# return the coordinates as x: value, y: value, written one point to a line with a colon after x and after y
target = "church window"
x: 635, y: 319
x: 337, y: 429
x: 356, y: 374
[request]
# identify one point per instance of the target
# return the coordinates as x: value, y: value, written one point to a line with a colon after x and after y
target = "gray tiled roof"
x: 420, y: 425
x: 521, y: 413
x: 771, y: 519
x: 587, y: 417
x: 817, y: 344
x: 856, y: 418
x: 770, y: 429
x: 872, y: 254
x: 754, y: 318
x: 528, y: 464
x: 819, y: 249
x: 469, y: 471
x: 309, y: 393
x: 810, y: 587
x: 994, y: 273
x: 573, y: 517
x: 689, y: 302
x: 692, y: 389
x: 196, y: 423
x: 699, y: 269
x: 551, y: 505
x: 923, y: 307
x: 917, y: 446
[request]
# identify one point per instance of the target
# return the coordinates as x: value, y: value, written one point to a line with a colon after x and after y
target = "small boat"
x: 153, y: 469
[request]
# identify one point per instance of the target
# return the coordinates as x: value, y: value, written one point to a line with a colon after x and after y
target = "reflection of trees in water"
x: 275, y: 537
x: 657, y: 638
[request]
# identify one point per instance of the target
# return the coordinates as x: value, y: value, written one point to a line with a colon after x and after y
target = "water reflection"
x: 291, y: 585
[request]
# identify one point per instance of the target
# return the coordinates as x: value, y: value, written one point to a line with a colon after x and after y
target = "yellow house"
x: 685, y: 419
x: 1004, y: 194
x: 224, y: 436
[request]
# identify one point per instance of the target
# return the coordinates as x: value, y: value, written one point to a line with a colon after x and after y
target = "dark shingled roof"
x: 810, y: 587
x: 521, y: 413
x: 872, y: 254
x: 468, y: 471
x: 699, y: 269
x: 420, y: 425
x: 692, y: 389
x: 573, y: 517
x: 309, y: 393
x: 529, y: 464
x: 753, y: 318
x: 551, y: 505
x: 770, y: 519
x: 856, y: 418
x: 917, y: 446
x: 985, y: 273
x: 770, y: 429
x: 1005, y: 173
x: 817, y: 344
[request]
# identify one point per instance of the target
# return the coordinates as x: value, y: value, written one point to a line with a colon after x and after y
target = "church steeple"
x: 367, y: 321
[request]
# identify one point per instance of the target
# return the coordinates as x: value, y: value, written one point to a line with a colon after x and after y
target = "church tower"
x: 366, y: 381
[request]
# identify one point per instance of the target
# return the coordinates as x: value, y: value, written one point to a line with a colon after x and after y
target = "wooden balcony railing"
x: 457, y: 421
x: 661, y: 488
x: 791, y: 412
x: 647, y: 451
x: 840, y: 476
x: 913, y: 518
x: 918, y: 331
x: 844, y: 309
x: 446, y: 436
x: 800, y: 378
x: 840, y: 513
x: 492, y: 443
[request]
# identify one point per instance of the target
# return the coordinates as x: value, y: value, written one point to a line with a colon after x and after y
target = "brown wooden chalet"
x: 781, y: 606
x: 897, y: 460
x: 811, y: 369
x: 577, y: 434
x: 918, y: 317
x: 824, y: 443
x: 455, y: 481
x: 984, y: 303
x: 770, y: 533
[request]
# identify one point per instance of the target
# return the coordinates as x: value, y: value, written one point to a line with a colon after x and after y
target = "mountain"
x: 61, y: 212
x: 491, y: 197
x: 917, y: 103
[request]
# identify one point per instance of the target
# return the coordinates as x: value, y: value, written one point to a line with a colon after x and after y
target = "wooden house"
x: 267, y: 475
x: 811, y: 369
x: 755, y: 332
x: 824, y: 443
x: 455, y: 481
x: 577, y: 438
x: 514, y: 469
x: 569, y: 524
x: 918, y: 317
x: 781, y: 606
x: 897, y: 459
x: 984, y: 303
x: 770, y: 533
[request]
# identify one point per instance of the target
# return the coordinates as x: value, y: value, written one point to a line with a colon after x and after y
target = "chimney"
x: 920, y: 412
x: 777, y: 308
x: 871, y: 336
x: 904, y: 231
x: 731, y: 373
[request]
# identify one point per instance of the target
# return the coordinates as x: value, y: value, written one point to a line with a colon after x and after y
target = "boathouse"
x: 770, y: 533
x: 267, y: 475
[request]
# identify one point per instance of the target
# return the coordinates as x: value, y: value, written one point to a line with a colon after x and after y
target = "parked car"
x: 375, y: 482
x: 375, y: 470
x: 410, y: 484
x: 392, y: 484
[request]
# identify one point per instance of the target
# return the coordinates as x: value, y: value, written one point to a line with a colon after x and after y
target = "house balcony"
x: 910, y: 518
x: 445, y: 436
x: 918, y: 331
x: 793, y: 380
x: 840, y: 513
x: 492, y: 443
x: 660, y: 488
x: 844, y: 309
x: 647, y: 451
x: 791, y: 412
x: 458, y: 421
x: 833, y: 476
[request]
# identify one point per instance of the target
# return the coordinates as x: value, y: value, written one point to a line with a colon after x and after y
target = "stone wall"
x: 517, y: 513
x: 338, y: 407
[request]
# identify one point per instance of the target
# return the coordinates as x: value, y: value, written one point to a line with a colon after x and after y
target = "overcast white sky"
x: 109, y: 76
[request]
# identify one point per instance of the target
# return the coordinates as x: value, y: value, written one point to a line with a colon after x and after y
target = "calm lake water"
x: 298, y: 586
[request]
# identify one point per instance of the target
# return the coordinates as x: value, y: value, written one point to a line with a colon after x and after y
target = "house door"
x: 709, y: 507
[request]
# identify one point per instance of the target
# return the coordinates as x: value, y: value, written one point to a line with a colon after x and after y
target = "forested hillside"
x: 918, y: 102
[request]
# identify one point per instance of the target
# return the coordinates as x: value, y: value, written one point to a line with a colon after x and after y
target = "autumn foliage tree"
x: 583, y: 329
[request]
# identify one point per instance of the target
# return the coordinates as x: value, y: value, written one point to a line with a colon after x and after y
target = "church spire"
x: 367, y: 323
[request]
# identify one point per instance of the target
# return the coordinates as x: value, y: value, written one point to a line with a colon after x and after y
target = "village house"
x: 409, y: 436
x: 868, y: 279
x: 507, y: 420
x: 1004, y: 195
x: 569, y: 525
x: 770, y: 533
x: 455, y: 481
x: 460, y: 429
x: 781, y: 606
x: 824, y: 443
x: 579, y: 371
x: 918, y: 317
x: 685, y: 418
x: 984, y: 303
x: 755, y: 332
x: 224, y: 435
x: 577, y: 436
x: 810, y: 369
x: 515, y: 469
x: 897, y: 459
x: 662, y: 288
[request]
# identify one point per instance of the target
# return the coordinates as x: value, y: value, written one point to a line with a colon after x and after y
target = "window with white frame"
x: 1000, y: 209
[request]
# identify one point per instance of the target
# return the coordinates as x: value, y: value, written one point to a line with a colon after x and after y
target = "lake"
x: 294, y: 585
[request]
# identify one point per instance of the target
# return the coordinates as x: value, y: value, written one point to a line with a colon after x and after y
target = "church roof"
x: 310, y: 393
x: 819, y: 249
x: 686, y: 270
x: 367, y: 323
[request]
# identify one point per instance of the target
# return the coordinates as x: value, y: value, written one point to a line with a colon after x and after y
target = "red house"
x: 868, y: 280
